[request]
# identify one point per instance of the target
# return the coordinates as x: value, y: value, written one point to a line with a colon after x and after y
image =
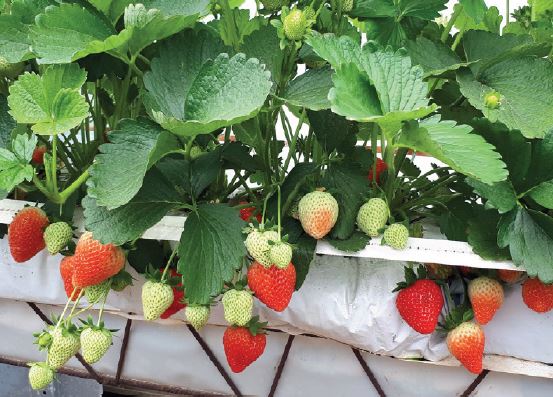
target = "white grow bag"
x: 346, y: 299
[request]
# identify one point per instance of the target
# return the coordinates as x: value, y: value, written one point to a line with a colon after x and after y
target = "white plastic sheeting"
x: 345, y: 299
x: 169, y: 354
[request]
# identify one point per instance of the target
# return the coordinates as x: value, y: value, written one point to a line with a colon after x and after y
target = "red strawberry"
x: 247, y: 213
x: 38, y: 154
x: 537, y: 295
x: 26, y: 233
x: 509, y: 276
x: 419, y: 301
x: 465, y: 270
x: 272, y: 286
x: 380, y: 168
x: 486, y: 297
x: 66, y: 271
x: 178, y: 297
x: 242, y: 347
x: 466, y: 343
x: 95, y: 262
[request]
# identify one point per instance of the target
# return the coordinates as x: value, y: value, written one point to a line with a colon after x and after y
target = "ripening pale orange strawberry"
x: 318, y: 212
x: 486, y: 297
x: 509, y: 276
x: 466, y: 343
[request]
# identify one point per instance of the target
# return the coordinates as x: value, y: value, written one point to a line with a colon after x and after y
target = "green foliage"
x: 14, y: 165
x: 52, y: 103
x: 216, y: 228
x: 147, y: 109
x: 133, y: 149
x: 201, y: 91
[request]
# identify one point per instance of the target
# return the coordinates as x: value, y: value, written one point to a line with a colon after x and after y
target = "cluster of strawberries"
x: 92, y: 271
x: 420, y: 302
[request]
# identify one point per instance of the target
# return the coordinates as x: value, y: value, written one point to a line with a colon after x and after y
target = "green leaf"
x: 51, y: 102
x: 489, y: 48
x: 543, y: 194
x: 14, y: 166
x: 520, y: 96
x: 333, y: 132
x: 490, y: 21
x: 189, y: 94
x: 353, y: 95
x: 15, y: 45
x: 500, y: 195
x: 349, y: 185
x: 530, y: 239
x: 515, y: 151
x: 128, y: 222
x: 456, y: 146
x: 304, y: 252
x: 542, y: 152
x: 356, y: 242
x: 263, y: 44
x: 474, y: 9
x: 434, y: 57
x: 235, y: 25
x: 211, y: 249
x: 119, y: 169
x: 336, y: 50
x: 113, y: 9
x: 157, y: 19
x: 69, y: 32
x: 389, y: 91
x: 7, y: 123
x: 424, y: 9
x: 310, y: 89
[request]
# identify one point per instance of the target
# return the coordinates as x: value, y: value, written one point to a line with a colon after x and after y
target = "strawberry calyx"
x: 411, y: 277
x: 89, y: 323
x: 255, y: 326
x: 155, y: 275
x: 121, y: 280
x: 457, y: 316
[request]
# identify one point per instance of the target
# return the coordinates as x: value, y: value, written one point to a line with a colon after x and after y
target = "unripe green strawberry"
x: 238, y: 307
x: 95, y: 342
x: 274, y: 5
x: 65, y: 344
x: 281, y: 254
x: 492, y: 100
x: 195, y: 152
x: 57, y: 236
x: 257, y: 244
x: 295, y: 25
x: 97, y: 293
x: 396, y: 236
x: 347, y: 6
x: 197, y: 315
x: 156, y: 298
x: 318, y: 213
x: 40, y: 375
x: 10, y: 70
x: 372, y: 216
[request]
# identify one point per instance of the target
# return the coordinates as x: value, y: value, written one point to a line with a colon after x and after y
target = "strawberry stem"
x: 278, y: 212
x: 102, y: 307
x: 168, y: 263
x: 66, y: 307
x: 70, y: 316
x: 54, y: 163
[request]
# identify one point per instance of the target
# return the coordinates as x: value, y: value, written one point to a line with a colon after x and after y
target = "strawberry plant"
x: 282, y: 122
